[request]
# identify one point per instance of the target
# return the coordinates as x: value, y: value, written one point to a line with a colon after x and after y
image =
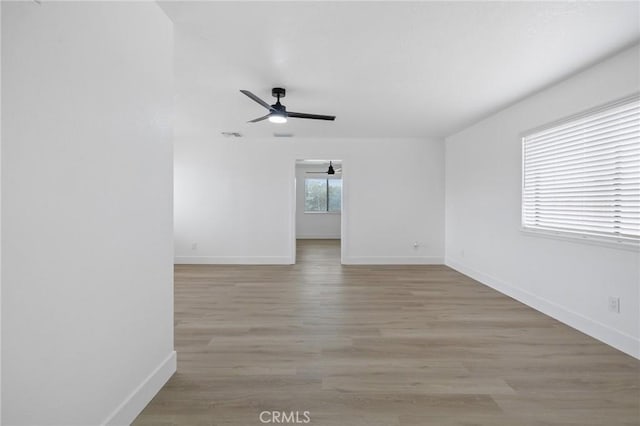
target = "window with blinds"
x: 581, y: 177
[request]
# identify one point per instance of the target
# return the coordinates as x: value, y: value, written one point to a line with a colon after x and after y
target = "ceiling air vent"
x: 231, y: 135
x: 283, y: 135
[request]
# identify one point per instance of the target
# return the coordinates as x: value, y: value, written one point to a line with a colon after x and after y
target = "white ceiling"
x: 385, y: 69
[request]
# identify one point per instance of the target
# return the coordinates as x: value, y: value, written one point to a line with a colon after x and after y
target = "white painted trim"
x: 0, y: 226
x: 393, y: 260
x: 133, y: 405
x: 318, y: 237
x: 293, y: 214
x: 344, y: 220
x: 581, y: 239
x: 612, y: 337
x: 232, y: 260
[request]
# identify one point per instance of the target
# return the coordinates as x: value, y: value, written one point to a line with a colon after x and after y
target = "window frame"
x: 327, y: 211
x: 576, y: 237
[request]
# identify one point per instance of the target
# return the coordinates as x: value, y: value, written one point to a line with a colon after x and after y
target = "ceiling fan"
x: 278, y: 113
x: 330, y: 171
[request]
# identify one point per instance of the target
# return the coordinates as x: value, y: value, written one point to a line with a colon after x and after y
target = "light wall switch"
x: 614, y: 304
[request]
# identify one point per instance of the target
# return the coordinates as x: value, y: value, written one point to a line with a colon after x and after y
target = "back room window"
x: 323, y: 195
x: 581, y: 177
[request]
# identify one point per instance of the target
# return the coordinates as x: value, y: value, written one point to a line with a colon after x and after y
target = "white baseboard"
x: 232, y: 260
x: 318, y: 237
x: 133, y: 405
x: 392, y: 260
x: 612, y: 337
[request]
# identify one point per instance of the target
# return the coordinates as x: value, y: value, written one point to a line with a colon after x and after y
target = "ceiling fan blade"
x: 255, y: 120
x: 311, y: 116
x: 257, y: 99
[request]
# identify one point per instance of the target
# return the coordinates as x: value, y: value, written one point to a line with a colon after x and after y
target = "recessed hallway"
x: 379, y: 345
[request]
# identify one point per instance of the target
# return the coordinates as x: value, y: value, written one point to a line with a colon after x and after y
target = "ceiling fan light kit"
x: 277, y: 118
x: 278, y: 113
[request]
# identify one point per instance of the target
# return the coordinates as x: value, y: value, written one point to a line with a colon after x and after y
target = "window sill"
x: 582, y: 239
x: 323, y: 213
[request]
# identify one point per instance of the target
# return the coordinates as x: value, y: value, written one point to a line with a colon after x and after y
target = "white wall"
x: 234, y: 198
x: 0, y: 218
x: 314, y: 225
x: 568, y: 280
x: 87, y: 315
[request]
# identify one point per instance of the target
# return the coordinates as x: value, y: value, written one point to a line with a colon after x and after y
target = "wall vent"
x: 283, y: 135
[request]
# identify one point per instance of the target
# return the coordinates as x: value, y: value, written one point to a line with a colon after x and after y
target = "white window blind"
x: 582, y: 177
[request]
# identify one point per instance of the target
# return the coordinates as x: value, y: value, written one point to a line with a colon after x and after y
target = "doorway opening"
x: 318, y: 210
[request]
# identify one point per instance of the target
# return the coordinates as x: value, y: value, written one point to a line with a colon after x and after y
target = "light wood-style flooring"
x: 379, y: 346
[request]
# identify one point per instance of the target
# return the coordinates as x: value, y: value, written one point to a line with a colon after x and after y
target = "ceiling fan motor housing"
x: 279, y: 92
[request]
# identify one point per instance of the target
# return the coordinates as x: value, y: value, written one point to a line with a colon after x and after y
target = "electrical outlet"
x: 194, y: 246
x: 614, y: 304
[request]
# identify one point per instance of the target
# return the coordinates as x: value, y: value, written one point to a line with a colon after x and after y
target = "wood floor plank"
x: 379, y: 346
